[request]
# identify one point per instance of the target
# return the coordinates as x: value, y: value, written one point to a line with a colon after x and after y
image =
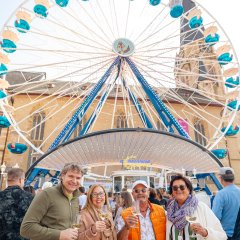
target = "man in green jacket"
x: 52, y: 212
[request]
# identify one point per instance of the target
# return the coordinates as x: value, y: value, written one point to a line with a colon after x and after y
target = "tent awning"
x: 163, y: 149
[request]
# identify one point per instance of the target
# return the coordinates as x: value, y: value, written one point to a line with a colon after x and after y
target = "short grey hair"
x: 72, y: 167
x: 15, y: 173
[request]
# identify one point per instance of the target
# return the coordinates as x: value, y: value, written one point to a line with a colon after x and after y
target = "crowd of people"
x: 67, y: 212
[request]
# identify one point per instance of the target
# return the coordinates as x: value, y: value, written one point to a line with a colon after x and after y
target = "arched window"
x: 78, y: 128
x: 199, y: 132
x: 38, y: 126
x: 121, y: 121
x: 37, y: 135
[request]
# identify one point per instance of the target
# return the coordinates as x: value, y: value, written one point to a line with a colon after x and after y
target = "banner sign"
x: 130, y: 162
x: 184, y: 124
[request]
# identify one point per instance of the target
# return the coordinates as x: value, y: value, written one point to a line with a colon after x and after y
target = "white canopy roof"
x: 109, y: 147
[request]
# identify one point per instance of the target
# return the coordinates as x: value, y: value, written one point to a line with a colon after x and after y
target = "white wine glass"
x: 77, y: 221
x: 104, y: 213
x: 191, y: 218
x: 136, y: 210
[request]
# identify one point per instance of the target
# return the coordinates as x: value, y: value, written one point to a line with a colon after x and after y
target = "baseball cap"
x: 138, y: 182
x: 227, y: 173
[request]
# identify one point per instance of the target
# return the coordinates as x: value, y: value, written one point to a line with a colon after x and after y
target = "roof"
x: 76, y: 89
x: 164, y: 150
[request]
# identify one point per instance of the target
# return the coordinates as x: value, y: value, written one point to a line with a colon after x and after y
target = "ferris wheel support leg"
x: 213, y: 178
x: 84, y: 106
x: 37, y: 172
x: 143, y: 116
x: 160, y: 107
x: 96, y: 111
x: 55, y: 177
x: 78, y: 115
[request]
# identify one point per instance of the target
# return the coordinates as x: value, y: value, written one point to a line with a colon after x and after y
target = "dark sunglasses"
x: 144, y: 190
x: 181, y: 187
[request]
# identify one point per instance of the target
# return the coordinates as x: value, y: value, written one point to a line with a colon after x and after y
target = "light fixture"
x: 3, y: 168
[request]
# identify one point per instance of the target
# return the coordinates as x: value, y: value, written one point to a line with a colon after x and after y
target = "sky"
x: 225, y: 12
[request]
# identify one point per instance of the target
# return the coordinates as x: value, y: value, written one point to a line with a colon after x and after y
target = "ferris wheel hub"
x: 123, y: 47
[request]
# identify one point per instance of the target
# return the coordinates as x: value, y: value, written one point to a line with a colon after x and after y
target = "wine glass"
x: 191, y: 218
x: 135, y: 210
x: 104, y: 213
x: 77, y: 221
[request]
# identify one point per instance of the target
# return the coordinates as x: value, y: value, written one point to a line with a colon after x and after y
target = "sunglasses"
x: 181, y: 187
x: 144, y: 190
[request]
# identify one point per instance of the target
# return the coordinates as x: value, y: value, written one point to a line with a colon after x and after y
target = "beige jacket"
x: 88, y: 219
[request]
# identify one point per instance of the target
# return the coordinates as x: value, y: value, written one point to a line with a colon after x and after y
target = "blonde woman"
x: 92, y: 226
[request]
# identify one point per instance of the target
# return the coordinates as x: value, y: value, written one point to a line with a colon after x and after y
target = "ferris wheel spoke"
x: 42, y: 83
x: 138, y: 38
x: 63, y: 63
x: 58, y: 51
x: 167, y: 38
x: 105, y: 19
x: 95, y: 20
x: 98, y: 110
x: 88, y: 29
x: 62, y: 122
x: 160, y: 29
x: 116, y: 19
x: 187, y: 73
x: 211, y: 97
x: 61, y: 92
x: 135, y: 24
x: 172, y: 35
x: 189, y: 89
x: 65, y: 40
x: 198, y: 112
x: 78, y: 34
x: 151, y: 112
x: 126, y: 26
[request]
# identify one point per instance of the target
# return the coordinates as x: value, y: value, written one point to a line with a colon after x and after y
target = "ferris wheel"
x: 164, y: 65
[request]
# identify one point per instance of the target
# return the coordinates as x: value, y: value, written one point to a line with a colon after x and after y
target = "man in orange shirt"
x: 149, y: 224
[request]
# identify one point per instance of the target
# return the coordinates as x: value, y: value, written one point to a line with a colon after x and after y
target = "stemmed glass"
x: 191, y: 218
x: 77, y: 221
x: 104, y: 213
x: 135, y: 210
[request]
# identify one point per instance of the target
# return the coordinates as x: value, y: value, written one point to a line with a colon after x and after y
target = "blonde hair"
x: 89, y: 203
